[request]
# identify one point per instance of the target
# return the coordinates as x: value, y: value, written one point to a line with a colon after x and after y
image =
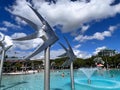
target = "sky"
x: 89, y: 25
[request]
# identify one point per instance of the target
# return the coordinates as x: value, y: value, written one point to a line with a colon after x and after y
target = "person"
x: 111, y: 75
x: 89, y: 81
x: 63, y: 74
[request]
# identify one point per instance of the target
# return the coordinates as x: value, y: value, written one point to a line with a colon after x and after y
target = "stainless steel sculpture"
x: 49, y: 37
x: 70, y: 54
x: 46, y: 33
x: 5, y: 46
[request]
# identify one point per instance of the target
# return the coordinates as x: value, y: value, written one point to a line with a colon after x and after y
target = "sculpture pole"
x: 72, y: 76
x: 69, y: 53
x: 47, y: 69
x: 1, y: 64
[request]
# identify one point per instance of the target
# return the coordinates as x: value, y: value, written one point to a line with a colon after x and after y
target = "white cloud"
x: 19, y: 21
x: 77, y: 46
x: 23, y: 48
x: 3, y: 29
x: 28, y: 44
x: 24, y: 45
x: 97, y: 35
x: 17, y: 53
x: 38, y: 56
x: 113, y: 28
x: 72, y: 15
x: 82, y: 54
x: 10, y: 25
x: 84, y: 28
x: 98, y: 49
x: 18, y: 35
x: 55, y: 53
x: 8, y: 41
x: 101, y: 36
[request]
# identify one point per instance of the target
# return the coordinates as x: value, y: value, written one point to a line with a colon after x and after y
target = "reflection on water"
x: 13, y: 85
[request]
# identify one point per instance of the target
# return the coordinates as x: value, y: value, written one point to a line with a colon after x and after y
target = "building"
x: 107, y: 52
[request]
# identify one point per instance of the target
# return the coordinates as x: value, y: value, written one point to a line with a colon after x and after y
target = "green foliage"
x: 112, y: 61
x: 60, y: 61
x: 18, y: 65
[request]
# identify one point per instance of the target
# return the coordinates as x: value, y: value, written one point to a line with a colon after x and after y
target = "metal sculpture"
x: 48, y: 36
x: 70, y: 54
x: 5, y: 44
x: 46, y: 33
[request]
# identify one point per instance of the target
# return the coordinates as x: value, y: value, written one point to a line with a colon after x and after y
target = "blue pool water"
x: 105, y: 80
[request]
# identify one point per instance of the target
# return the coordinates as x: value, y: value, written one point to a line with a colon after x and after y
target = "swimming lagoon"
x: 100, y: 80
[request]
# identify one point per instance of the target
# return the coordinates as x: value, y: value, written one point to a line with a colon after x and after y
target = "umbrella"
x: 100, y: 65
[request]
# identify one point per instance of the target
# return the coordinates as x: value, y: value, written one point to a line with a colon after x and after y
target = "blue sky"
x: 89, y: 25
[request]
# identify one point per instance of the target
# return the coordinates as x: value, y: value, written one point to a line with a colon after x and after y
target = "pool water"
x: 105, y: 80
